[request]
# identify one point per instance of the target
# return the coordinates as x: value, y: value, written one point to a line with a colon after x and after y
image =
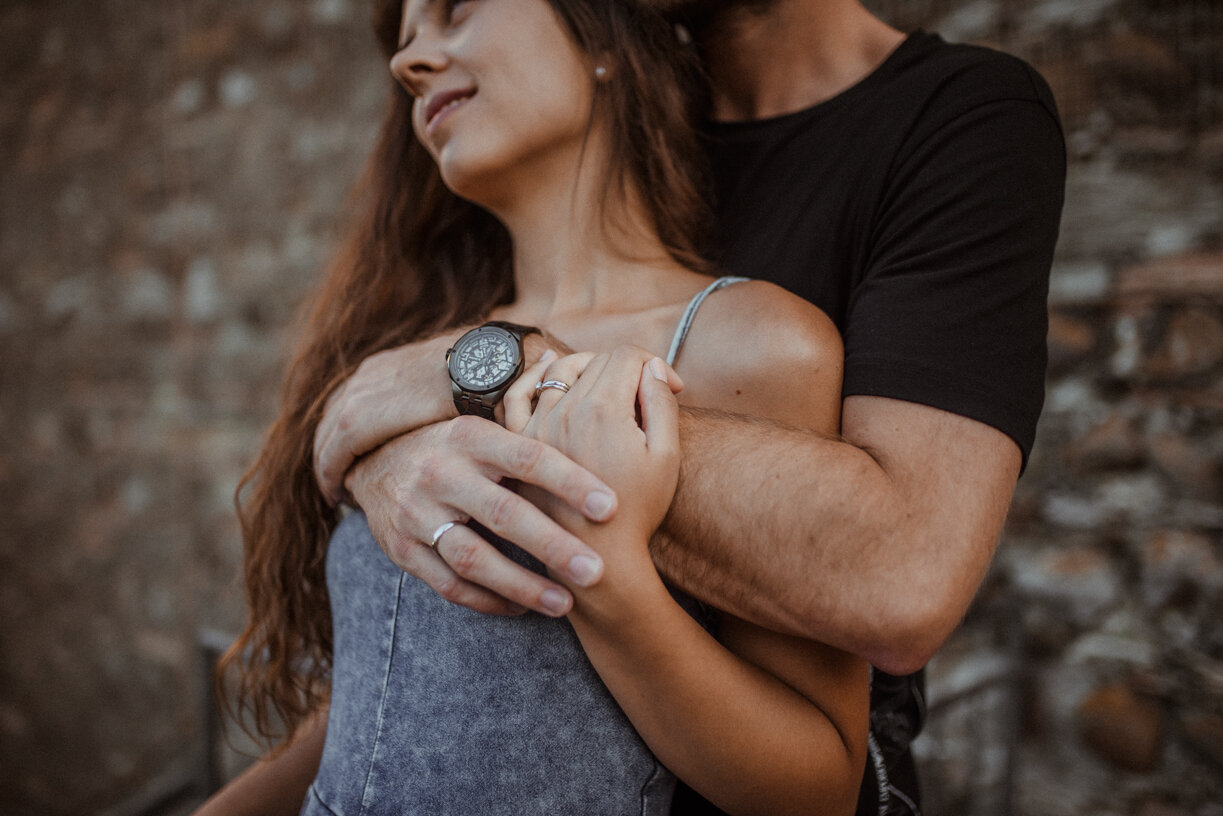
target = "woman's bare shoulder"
x: 755, y: 348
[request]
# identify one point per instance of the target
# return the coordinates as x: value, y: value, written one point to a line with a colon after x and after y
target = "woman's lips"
x: 443, y: 103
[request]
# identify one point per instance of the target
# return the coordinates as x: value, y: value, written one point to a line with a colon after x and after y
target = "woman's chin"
x: 479, y: 184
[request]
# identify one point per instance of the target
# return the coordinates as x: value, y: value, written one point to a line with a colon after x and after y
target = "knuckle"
x: 404, y: 512
x: 554, y: 549
x: 464, y: 557
x: 501, y: 510
x: 463, y: 429
x: 410, y: 519
x: 429, y: 468
x: 404, y: 552
x: 565, y: 424
x: 449, y: 588
x: 525, y: 456
x: 343, y: 419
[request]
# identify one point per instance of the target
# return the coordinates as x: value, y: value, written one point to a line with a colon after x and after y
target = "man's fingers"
x: 419, y: 560
x: 515, y: 519
x: 434, y: 571
x: 533, y: 462
x: 477, y: 563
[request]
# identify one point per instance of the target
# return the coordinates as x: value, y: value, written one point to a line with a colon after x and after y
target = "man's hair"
x: 697, y: 14
x: 416, y: 260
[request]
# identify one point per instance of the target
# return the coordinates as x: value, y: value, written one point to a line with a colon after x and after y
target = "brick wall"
x: 1088, y: 678
x: 171, y: 174
x: 169, y: 177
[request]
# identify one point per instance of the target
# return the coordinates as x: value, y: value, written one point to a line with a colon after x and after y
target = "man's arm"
x: 890, y: 528
x: 421, y: 466
x: 874, y: 543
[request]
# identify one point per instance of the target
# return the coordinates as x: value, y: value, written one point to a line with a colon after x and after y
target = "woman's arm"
x: 277, y: 784
x: 761, y: 722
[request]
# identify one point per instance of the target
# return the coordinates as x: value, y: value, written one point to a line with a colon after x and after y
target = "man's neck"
x: 774, y: 58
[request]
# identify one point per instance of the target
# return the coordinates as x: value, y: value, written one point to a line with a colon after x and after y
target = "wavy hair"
x: 416, y: 260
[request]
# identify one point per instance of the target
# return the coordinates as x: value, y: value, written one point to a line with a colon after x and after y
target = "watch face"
x: 484, y: 360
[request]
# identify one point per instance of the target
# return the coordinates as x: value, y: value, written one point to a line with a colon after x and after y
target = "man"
x: 910, y: 189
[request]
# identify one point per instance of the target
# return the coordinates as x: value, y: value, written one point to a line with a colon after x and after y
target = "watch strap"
x: 469, y: 404
x: 517, y: 329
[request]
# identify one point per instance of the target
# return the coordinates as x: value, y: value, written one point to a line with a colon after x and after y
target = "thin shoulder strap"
x: 685, y: 322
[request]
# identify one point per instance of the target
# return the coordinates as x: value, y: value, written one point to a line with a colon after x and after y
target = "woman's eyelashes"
x: 453, y: 10
x: 445, y: 14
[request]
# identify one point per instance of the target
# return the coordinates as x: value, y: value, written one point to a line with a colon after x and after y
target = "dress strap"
x: 685, y: 322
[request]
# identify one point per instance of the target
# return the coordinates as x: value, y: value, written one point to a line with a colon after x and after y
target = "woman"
x: 551, y: 182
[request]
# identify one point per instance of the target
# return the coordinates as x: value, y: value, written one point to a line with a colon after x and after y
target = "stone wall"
x: 171, y: 174
x: 169, y: 177
x: 1088, y: 678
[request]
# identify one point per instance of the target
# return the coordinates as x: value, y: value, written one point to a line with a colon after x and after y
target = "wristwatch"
x: 483, y: 364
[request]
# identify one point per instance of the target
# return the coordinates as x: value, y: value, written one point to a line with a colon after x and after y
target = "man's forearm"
x: 817, y: 537
x: 751, y: 530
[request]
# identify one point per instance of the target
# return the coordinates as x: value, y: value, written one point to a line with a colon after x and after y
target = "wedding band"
x: 557, y: 384
x: 441, y: 531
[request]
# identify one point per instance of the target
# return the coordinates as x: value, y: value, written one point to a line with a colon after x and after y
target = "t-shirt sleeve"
x: 951, y: 310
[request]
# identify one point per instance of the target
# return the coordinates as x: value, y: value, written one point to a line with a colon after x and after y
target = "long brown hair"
x: 415, y: 261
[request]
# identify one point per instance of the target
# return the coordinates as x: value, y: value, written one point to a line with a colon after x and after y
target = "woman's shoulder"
x: 758, y: 349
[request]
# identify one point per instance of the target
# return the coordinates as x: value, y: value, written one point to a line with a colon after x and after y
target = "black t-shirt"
x: 919, y: 210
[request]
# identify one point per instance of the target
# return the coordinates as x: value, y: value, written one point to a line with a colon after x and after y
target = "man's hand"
x: 390, y: 393
x: 455, y: 471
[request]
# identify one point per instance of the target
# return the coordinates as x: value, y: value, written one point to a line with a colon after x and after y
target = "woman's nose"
x: 422, y: 57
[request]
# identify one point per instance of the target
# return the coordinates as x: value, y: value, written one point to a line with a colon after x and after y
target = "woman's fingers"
x: 659, y: 408
x: 561, y: 378
x: 519, y: 400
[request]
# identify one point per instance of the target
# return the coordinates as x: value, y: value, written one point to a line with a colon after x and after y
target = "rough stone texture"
x: 1105, y: 592
x: 1123, y: 728
x: 170, y: 175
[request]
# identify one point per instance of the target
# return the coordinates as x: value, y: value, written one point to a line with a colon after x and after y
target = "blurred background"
x: 170, y: 177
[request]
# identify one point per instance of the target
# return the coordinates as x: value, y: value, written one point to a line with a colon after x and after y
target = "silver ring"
x: 557, y: 384
x: 441, y: 531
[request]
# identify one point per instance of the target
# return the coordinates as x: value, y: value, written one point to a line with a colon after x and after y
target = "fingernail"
x: 548, y: 356
x: 599, y: 505
x: 555, y: 601
x: 585, y: 570
x: 656, y: 368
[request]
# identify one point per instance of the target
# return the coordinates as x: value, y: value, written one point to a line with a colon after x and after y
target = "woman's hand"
x: 618, y: 419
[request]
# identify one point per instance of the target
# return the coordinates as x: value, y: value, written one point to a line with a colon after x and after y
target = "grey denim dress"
x: 436, y: 709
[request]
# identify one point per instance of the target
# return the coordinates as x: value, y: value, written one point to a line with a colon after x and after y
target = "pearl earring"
x: 600, y: 72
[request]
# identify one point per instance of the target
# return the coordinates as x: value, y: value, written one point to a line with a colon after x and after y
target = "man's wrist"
x: 539, y: 342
